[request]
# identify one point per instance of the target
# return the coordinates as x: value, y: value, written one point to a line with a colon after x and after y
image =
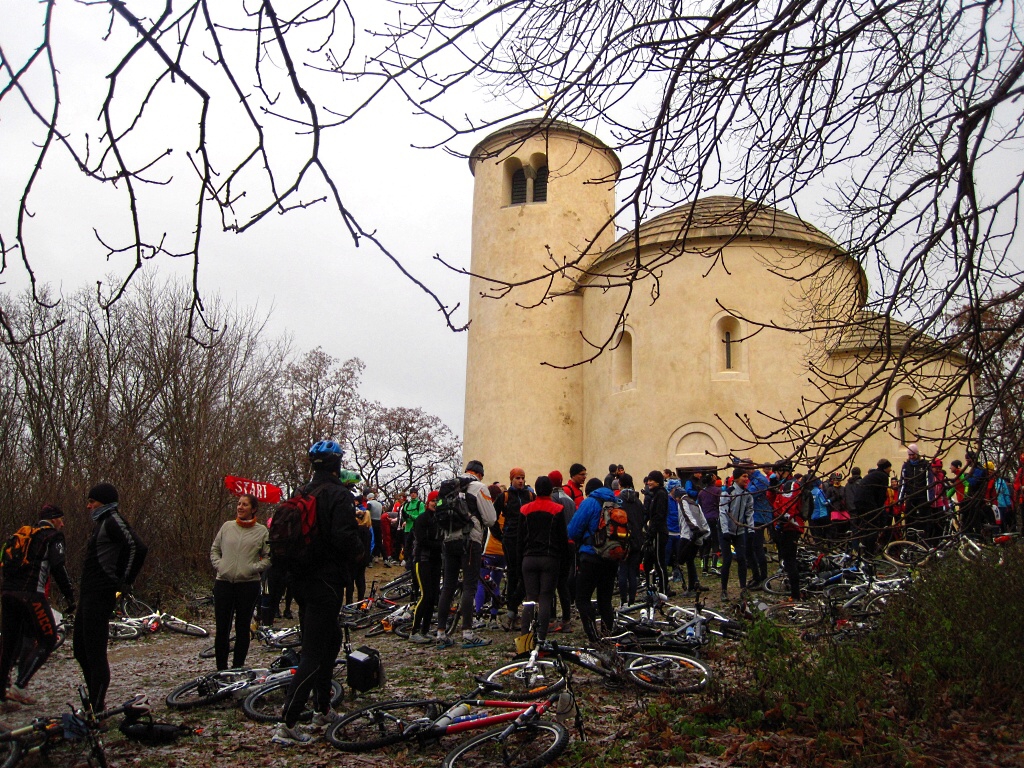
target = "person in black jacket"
x: 429, y: 544
x: 319, y: 585
x: 29, y: 628
x: 871, y: 500
x: 629, y: 569
x: 113, y: 558
x: 508, y: 504
x: 656, y: 510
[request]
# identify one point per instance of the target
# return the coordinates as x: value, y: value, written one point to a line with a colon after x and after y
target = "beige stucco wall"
x: 519, y: 412
x: 670, y: 401
x: 673, y: 410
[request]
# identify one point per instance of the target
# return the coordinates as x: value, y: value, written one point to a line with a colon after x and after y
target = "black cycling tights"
x: 29, y: 635
x: 90, y: 643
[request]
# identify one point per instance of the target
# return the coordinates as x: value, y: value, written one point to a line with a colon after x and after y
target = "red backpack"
x: 293, y: 530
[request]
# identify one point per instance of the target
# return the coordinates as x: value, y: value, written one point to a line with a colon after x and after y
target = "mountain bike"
x: 657, y: 617
x: 156, y: 620
x: 223, y: 684
x: 622, y: 659
x: 398, y: 622
x: 79, y: 725
x: 860, y: 604
x: 523, y: 739
x: 912, y: 552
x: 265, y: 702
x: 278, y: 639
x: 398, y: 588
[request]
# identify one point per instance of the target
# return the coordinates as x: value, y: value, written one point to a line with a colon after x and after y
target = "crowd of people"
x: 557, y: 543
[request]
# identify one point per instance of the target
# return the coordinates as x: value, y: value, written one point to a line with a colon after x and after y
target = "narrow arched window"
x: 519, y: 187
x: 907, y: 419
x: 728, y: 350
x: 540, y: 185
x: 622, y: 361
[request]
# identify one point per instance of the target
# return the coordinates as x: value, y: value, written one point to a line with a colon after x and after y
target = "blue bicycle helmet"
x: 325, y: 447
x: 326, y: 454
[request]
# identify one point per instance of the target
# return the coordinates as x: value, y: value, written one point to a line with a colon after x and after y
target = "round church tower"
x: 544, y: 196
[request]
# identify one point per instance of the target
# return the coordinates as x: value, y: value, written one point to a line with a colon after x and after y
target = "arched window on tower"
x: 526, y: 183
x: 540, y: 185
x: 622, y: 362
x: 519, y: 187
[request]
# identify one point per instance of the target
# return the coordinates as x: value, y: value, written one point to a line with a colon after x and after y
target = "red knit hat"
x: 432, y: 496
x: 555, y: 477
x: 516, y: 472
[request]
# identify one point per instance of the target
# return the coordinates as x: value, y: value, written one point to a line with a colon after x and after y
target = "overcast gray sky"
x: 303, y: 266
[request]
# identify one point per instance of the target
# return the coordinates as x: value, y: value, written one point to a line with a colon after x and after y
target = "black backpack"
x: 452, y: 513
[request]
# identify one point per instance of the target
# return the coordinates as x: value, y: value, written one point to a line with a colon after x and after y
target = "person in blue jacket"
x: 595, y: 573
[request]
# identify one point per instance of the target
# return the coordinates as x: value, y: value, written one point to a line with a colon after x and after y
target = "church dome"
x: 717, y: 218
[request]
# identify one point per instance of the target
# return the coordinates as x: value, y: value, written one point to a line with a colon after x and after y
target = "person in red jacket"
x: 784, y: 494
x: 545, y: 544
x: 574, y: 488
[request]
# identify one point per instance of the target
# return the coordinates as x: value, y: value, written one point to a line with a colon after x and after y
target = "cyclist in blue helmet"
x: 320, y: 584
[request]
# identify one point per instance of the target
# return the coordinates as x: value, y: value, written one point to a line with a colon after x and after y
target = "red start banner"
x: 265, y: 492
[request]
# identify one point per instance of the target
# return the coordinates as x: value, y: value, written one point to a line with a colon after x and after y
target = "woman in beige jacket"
x: 240, y: 553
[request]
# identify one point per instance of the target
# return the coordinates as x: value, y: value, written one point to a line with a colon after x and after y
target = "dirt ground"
x: 620, y: 723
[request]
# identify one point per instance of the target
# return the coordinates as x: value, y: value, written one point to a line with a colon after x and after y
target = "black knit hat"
x: 542, y: 486
x: 51, y: 512
x: 476, y: 467
x: 657, y: 476
x: 104, y: 493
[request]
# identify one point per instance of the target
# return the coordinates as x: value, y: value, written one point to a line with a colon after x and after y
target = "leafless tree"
x: 319, y: 400
x: 395, y: 448
x: 901, y: 120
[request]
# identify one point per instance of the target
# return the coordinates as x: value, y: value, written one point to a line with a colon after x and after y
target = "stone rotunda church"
x: 733, y: 281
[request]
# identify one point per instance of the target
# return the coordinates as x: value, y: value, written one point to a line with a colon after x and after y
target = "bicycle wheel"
x: 208, y: 689
x: 211, y: 650
x: 398, y: 591
x: 134, y: 608
x: 666, y: 671
x: 794, y: 614
x: 777, y: 584
x: 264, y: 705
x: 120, y: 631
x: 906, y: 553
x: 286, y: 638
x: 878, y: 604
x: 527, y: 746
x: 183, y: 627
x: 381, y: 724
x: 10, y: 750
x: 523, y: 681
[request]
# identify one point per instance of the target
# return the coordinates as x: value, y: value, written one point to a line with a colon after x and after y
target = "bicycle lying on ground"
x: 523, y: 738
x: 622, y: 659
x: 852, y: 606
x: 226, y: 683
x: 79, y: 725
x: 277, y: 639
